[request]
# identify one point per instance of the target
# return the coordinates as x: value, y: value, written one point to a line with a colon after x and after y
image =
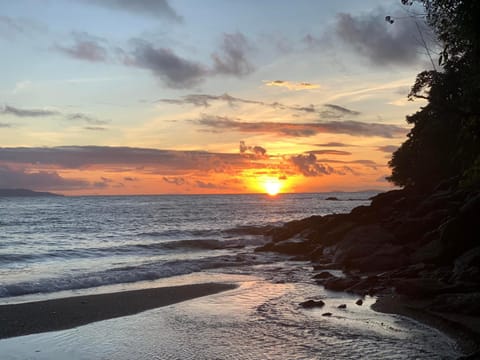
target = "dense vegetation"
x: 444, y: 141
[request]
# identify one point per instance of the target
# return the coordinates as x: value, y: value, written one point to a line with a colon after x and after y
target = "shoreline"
x: 65, y: 313
x: 461, y: 329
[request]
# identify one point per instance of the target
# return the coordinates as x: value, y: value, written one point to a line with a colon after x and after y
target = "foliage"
x: 445, y: 138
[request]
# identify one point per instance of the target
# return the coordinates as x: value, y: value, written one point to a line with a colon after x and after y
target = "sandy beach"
x: 59, y: 314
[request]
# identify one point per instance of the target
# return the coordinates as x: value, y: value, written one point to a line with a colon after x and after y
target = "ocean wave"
x: 126, y: 274
x: 134, y: 249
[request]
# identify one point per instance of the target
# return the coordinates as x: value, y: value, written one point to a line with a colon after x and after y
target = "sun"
x: 272, y: 187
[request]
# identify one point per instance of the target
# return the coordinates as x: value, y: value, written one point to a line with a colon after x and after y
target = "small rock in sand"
x: 342, y: 306
x: 359, y: 302
x: 312, y: 303
x: 327, y: 314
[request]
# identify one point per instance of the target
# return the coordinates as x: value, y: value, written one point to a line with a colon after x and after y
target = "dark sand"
x: 66, y: 313
x: 465, y: 330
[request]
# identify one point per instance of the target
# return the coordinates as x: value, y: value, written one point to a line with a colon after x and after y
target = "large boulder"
x: 387, y: 257
x: 292, y: 246
x: 339, y: 283
x: 359, y: 242
x: 467, y: 266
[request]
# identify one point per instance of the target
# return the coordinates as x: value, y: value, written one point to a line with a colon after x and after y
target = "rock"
x: 323, y: 275
x: 327, y: 314
x: 461, y: 303
x: 421, y: 287
x: 387, y: 257
x: 293, y: 228
x: 472, y: 356
x: 293, y: 246
x: 363, y: 214
x: 467, y: 266
x: 339, y: 284
x: 366, y: 286
x: 431, y: 252
x: 332, y: 198
x: 312, y: 304
x: 412, y: 228
x: 361, y: 241
x: 386, y: 198
x: 329, y: 266
x: 359, y: 302
x: 342, y: 306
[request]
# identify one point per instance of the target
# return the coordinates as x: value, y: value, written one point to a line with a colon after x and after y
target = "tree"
x: 445, y: 138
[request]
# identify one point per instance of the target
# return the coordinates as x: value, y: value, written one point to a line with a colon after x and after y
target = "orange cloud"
x: 125, y: 170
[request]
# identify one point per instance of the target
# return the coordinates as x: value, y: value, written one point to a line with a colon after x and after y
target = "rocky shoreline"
x: 418, y: 246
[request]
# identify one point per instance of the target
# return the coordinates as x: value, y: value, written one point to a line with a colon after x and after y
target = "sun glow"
x: 272, y: 187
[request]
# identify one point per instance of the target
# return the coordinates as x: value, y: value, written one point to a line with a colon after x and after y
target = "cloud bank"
x: 353, y: 128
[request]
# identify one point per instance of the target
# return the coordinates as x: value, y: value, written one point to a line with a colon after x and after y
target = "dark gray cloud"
x: 174, y: 180
x: 26, y: 113
x: 174, y: 70
x: 380, y: 42
x: 5, y: 125
x: 231, y: 59
x: 205, y: 100
x: 152, y: 8
x: 387, y: 148
x: 11, y: 27
x: 207, y: 185
x: 78, y: 157
x: 354, y: 128
x: 18, y: 112
x: 256, y: 150
x: 129, y: 178
x: 314, y: 42
x: 329, y: 152
x: 337, y: 109
x: 308, y: 166
x: 85, y: 47
x: 95, y: 128
x: 103, y: 183
x: 334, y: 144
x: 39, y: 180
x: 178, y: 72
x: 86, y: 118
x: 368, y: 163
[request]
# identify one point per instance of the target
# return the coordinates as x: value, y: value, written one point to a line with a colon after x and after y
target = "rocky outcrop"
x: 421, y: 244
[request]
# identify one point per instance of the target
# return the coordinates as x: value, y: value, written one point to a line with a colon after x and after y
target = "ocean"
x: 66, y: 246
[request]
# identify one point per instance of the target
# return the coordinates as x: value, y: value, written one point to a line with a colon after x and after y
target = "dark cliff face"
x: 24, y: 193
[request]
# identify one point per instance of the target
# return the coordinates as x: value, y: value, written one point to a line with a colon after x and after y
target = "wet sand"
x: 66, y: 313
x: 465, y: 330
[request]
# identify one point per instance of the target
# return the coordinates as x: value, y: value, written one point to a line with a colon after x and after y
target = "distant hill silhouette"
x: 24, y: 193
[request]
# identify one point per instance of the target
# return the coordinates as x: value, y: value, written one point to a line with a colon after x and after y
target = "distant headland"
x: 24, y: 193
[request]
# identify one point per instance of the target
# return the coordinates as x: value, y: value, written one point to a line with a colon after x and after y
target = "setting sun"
x: 272, y: 187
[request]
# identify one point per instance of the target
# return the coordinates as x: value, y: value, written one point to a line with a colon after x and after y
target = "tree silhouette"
x: 445, y: 139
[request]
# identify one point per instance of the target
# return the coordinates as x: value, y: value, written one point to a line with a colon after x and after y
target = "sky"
x: 211, y: 96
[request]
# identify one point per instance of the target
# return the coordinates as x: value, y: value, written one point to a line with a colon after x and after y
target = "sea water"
x: 64, y: 246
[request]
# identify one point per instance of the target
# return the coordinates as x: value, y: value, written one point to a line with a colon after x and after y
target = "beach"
x: 254, y: 318
x: 65, y: 313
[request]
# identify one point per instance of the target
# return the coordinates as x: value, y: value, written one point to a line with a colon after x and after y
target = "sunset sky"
x: 211, y: 96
